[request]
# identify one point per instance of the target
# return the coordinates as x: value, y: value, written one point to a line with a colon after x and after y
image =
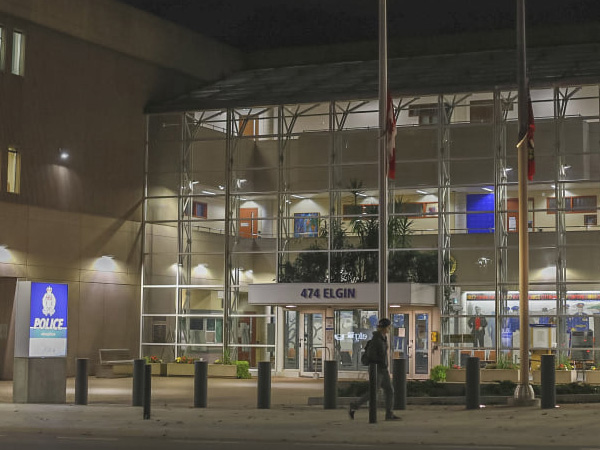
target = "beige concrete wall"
x: 134, y: 33
x: 91, y: 67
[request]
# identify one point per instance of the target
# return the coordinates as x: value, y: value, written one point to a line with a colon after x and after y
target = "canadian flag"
x: 390, y: 136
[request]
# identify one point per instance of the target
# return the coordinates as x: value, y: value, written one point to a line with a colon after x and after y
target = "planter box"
x: 592, y: 376
x: 180, y: 370
x: 222, y: 370
x: 456, y: 375
x: 491, y: 375
x: 214, y: 370
x: 562, y: 376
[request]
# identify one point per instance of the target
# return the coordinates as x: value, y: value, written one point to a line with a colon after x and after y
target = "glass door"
x: 312, y: 343
x: 410, y: 339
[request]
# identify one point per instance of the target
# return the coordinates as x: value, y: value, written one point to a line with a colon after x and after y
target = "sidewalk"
x: 232, y: 414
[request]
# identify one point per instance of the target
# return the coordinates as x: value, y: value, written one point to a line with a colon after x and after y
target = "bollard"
x: 548, y: 381
x: 264, y: 385
x: 200, y: 384
x: 330, y: 371
x: 81, y: 382
x: 138, y: 382
x: 399, y: 371
x: 147, y: 391
x: 372, y: 393
x: 472, y: 387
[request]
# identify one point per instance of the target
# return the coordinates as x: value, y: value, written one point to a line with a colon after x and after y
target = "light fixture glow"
x: 394, y: 306
x: 297, y: 196
x: 361, y: 194
x: 208, y: 193
x: 419, y: 191
x: 195, y: 182
x: 221, y: 187
x: 290, y: 306
x: 63, y: 153
x: 487, y: 189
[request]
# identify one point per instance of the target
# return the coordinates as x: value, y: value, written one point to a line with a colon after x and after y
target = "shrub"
x: 438, y: 373
x: 243, y: 369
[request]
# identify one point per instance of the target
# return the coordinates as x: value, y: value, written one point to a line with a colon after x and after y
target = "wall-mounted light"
x: 487, y: 189
x: 201, y: 270
x: 5, y: 255
x: 63, y: 154
x: 222, y: 188
x: 106, y: 263
x: 297, y: 196
x: 483, y: 261
x: 395, y: 306
x: 240, y: 182
x: 419, y: 191
x: 291, y: 306
x: 361, y: 194
x: 208, y: 193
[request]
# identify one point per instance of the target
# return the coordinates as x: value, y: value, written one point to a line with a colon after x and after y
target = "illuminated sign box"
x: 48, y: 320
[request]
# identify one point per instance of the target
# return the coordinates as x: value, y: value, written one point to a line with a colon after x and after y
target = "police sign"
x: 48, y: 320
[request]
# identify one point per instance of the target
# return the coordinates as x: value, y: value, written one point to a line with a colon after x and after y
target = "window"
x: 582, y: 204
x: 427, y: 113
x: 482, y: 111
x: 18, y: 53
x: 13, y: 176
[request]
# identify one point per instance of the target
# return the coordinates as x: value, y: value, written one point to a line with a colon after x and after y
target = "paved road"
x: 19, y: 441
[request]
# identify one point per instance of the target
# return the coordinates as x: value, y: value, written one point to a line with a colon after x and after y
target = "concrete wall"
x: 91, y: 67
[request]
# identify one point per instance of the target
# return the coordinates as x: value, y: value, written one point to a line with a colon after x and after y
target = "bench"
x: 111, y: 358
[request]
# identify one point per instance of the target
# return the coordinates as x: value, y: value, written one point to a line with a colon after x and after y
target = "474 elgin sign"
x: 48, y: 320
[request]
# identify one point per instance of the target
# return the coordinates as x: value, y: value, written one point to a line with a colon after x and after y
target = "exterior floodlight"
x: 63, y: 154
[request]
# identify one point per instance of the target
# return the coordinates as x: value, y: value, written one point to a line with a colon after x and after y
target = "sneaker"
x: 392, y: 417
x: 351, y: 411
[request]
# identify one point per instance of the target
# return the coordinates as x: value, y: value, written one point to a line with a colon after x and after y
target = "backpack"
x: 365, y: 358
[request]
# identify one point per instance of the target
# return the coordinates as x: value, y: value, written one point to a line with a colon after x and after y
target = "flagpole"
x: 524, y: 392
x: 383, y: 182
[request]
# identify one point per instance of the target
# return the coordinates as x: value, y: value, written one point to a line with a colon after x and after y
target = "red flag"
x: 530, y: 144
x: 391, y: 139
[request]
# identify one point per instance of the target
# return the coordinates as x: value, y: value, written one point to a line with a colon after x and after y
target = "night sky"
x: 259, y: 24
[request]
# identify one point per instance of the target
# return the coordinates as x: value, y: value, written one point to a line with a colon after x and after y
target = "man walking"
x: 378, y: 354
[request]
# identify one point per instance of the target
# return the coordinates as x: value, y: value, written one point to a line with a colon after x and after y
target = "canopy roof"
x: 422, y: 75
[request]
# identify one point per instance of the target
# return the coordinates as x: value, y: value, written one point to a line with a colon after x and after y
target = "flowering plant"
x: 456, y: 366
x: 564, y: 364
x: 152, y: 359
x: 184, y: 360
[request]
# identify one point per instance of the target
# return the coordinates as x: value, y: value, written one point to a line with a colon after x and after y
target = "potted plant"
x: 223, y: 368
x: 565, y: 372
x: 182, y: 366
x: 438, y: 373
x: 456, y: 374
x: 157, y: 366
x: 502, y: 370
x: 592, y: 375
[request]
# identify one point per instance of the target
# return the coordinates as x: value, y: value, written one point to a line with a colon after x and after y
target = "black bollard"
x: 138, y: 382
x: 472, y: 388
x: 147, y: 391
x: 81, y: 382
x: 399, y: 371
x: 330, y: 384
x: 548, y: 374
x: 200, y: 384
x: 264, y: 385
x: 372, y: 393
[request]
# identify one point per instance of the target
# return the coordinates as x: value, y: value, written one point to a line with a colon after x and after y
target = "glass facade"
x: 289, y: 194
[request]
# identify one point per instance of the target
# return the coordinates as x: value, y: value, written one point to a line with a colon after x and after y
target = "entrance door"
x: 248, y: 222
x: 410, y: 331
x: 312, y: 343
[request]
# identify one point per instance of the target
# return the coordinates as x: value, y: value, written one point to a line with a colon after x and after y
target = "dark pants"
x: 383, y: 382
x: 478, y: 336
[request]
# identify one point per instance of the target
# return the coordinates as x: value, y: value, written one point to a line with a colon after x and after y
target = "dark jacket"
x: 378, y: 350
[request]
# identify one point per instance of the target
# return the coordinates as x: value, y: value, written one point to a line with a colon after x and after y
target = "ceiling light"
x: 63, y: 153
x: 419, y: 191
x: 208, y: 193
x: 221, y: 187
x: 361, y: 194
x: 290, y: 306
x: 488, y: 189
x: 195, y: 182
x: 297, y: 196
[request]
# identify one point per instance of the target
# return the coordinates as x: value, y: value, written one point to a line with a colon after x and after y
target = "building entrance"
x: 411, y: 339
x: 312, y: 343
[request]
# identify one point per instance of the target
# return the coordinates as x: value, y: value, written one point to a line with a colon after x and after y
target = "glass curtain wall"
x: 295, y: 187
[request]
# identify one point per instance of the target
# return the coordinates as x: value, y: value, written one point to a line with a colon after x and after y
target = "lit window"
x: 13, y: 177
x: 18, y: 53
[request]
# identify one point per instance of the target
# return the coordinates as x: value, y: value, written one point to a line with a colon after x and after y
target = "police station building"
x: 261, y: 202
